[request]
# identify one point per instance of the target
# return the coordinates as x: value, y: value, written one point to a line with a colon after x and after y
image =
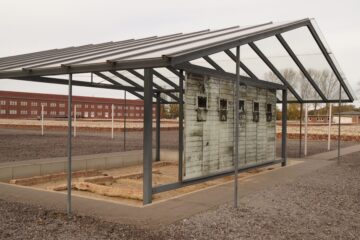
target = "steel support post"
x: 147, y: 157
x: 69, y: 146
x: 158, y: 105
x: 181, y: 124
x: 339, y: 127
x: 284, y: 128
x: 236, y: 137
x: 300, y: 137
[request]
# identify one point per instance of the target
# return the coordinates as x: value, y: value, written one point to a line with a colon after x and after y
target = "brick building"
x: 28, y: 105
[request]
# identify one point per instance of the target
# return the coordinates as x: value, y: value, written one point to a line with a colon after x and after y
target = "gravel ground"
x: 324, y: 204
x: 19, y: 145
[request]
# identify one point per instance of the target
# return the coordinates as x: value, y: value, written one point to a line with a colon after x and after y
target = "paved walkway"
x: 175, y: 209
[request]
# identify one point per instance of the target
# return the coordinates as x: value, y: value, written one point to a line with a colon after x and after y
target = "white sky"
x: 28, y: 26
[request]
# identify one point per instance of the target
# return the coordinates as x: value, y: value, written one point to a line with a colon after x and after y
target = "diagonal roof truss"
x: 120, y: 65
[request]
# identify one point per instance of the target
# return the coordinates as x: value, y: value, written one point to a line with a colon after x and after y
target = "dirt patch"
x: 124, y: 185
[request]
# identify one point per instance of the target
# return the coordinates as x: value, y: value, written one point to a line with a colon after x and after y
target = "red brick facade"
x: 28, y: 105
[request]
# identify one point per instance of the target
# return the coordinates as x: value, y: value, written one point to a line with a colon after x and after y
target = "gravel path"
x: 324, y: 204
x: 19, y: 145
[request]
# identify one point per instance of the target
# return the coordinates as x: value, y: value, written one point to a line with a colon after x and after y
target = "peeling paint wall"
x: 209, y: 138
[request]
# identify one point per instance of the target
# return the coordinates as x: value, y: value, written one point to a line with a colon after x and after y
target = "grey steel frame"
x: 177, y: 63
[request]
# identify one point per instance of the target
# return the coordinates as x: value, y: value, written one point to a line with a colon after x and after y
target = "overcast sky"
x: 28, y: 26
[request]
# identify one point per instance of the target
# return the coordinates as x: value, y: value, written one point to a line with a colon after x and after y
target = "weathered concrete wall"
x: 209, y: 144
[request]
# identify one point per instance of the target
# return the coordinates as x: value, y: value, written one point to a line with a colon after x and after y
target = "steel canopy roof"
x: 300, y: 74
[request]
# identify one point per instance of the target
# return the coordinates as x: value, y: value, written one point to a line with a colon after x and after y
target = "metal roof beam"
x: 76, y: 52
x: 86, y: 68
x: 131, y: 90
x: 75, y: 83
x: 165, y: 79
x: 329, y: 60
x: 140, y: 76
x: 128, y: 80
x: 213, y: 63
x: 299, y: 64
x: 198, y: 52
x: 134, y: 47
x: 274, y: 70
x: 188, y: 42
x: 191, y: 68
x: 242, y: 65
x: 173, y: 70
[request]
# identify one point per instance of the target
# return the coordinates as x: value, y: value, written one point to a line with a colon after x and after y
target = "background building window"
x: 13, y: 112
x: 52, y: 104
x: 2, y: 111
x: 23, y: 112
x: 62, y: 105
x: 34, y: 104
x: 23, y: 103
x: 2, y: 102
x: 33, y: 112
x: 13, y: 103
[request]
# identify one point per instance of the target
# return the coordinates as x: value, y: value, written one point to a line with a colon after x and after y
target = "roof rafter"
x: 209, y: 60
x: 133, y: 92
x: 301, y: 67
x: 140, y: 76
x: 275, y: 70
x: 242, y: 65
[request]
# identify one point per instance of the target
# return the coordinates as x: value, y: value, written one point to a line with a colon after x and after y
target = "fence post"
x: 42, y: 119
x: 112, y: 121
x: 329, y: 128
x: 74, y: 120
x: 306, y: 129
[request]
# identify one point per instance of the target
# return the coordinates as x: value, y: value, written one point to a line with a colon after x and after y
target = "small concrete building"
x: 209, y: 125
